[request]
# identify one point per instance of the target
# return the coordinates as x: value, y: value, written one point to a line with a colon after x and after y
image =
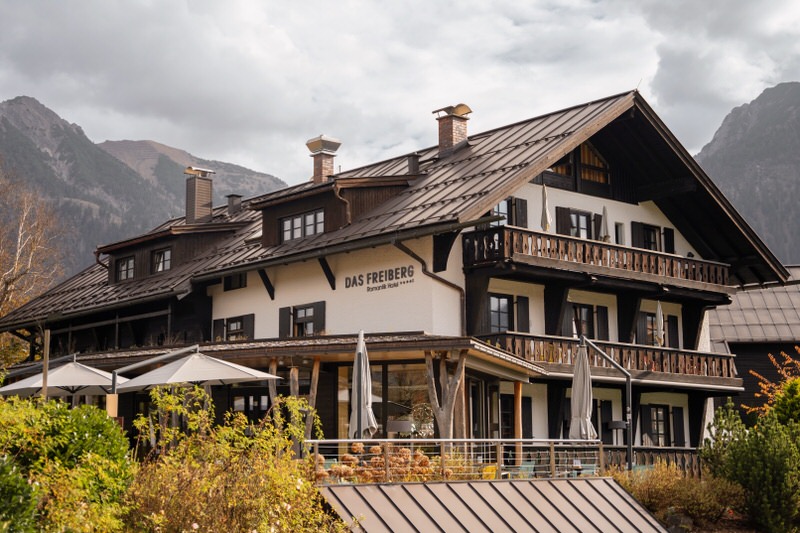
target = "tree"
x: 30, y: 259
x: 450, y: 385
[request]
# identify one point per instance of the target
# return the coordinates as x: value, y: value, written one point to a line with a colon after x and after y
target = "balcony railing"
x: 404, y: 460
x: 632, y: 357
x: 501, y: 243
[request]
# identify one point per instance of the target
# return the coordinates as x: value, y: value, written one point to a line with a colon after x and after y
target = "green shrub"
x: 786, y: 402
x: 235, y: 477
x: 727, y: 428
x: 76, y: 461
x: 706, y: 500
x: 767, y: 465
x: 17, y: 498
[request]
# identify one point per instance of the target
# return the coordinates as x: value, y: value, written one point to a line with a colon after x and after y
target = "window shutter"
x: 563, y: 223
x: 218, y: 330
x: 285, y: 322
x: 641, y: 328
x: 669, y: 241
x: 249, y: 326
x: 672, y: 332
x: 597, y: 222
x: 601, y: 328
x: 677, y: 427
x: 523, y: 314
x: 647, y: 426
x: 527, y: 417
x: 606, y: 414
x: 520, y: 212
x: 637, y: 234
x: 319, y: 317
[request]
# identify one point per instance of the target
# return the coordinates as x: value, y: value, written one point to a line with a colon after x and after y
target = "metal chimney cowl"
x: 323, y: 151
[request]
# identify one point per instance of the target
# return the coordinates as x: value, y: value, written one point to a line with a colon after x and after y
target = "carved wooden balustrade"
x: 632, y: 357
x: 501, y: 243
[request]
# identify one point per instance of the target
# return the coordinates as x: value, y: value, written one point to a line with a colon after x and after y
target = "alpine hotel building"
x: 487, y: 255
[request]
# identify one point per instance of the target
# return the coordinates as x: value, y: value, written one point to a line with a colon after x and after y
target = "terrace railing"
x: 407, y: 460
x: 633, y: 357
x: 502, y: 243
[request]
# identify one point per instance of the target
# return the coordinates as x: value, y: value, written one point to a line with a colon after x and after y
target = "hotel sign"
x: 379, y: 280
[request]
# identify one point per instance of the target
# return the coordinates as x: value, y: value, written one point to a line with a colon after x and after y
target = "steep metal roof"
x: 455, y: 189
x: 547, y: 505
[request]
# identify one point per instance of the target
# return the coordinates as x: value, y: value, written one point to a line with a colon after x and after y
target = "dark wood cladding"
x: 648, y: 360
x: 365, y: 199
x: 501, y: 244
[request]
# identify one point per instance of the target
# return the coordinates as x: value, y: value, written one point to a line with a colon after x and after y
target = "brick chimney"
x: 452, y: 126
x: 198, y: 195
x: 323, y: 151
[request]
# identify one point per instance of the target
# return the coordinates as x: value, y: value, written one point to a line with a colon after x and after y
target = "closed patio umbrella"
x: 547, y: 220
x: 362, y: 419
x: 603, y: 233
x: 65, y: 380
x: 197, y: 368
x: 659, y: 334
x: 580, y: 425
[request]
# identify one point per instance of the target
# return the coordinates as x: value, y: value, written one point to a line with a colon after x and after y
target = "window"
x: 162, y: 260
x: 501, y: 315
x: 655, y: 425
x: 302, y: 225
x: 649, y: 237
x: 234, y: 281
x: 619, y: 233
x: 514, y: 212
x: 586, y: 163
x: 647, y: 326
x: 125, y: 267
x: 238, y: 328
x: 302, y: 320
x: 589, y: 320
x: 576, y: 223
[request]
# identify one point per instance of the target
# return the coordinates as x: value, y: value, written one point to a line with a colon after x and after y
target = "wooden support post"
x: 45, y: 362
x: 498, y: 451
x: 552, y: 459
x: 518, y: 422
x: 312, y: 398
x: 294, y: 381
x: 271, y: 384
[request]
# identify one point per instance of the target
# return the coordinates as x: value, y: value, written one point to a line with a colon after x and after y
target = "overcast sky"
x: 249, y: 81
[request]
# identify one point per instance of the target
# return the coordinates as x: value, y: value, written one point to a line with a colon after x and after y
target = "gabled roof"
x: 456, y: 189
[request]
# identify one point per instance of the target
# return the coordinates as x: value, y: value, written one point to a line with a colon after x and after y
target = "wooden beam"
x: 294, y: 381
x: 518, y: 421
x: 442, y: 246
x: 272, y: 383
x: 326, y: 268
x: 312, y: 398
x: 111, y: 321
x: 666, y: 188
x: 267, y: 283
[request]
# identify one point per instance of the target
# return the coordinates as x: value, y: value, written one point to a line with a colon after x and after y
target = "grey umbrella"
x: 362, y: 419
x: 66, y: 380
x: 580, y: 426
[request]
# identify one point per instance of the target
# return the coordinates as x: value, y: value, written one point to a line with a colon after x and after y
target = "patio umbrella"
x: 580, y: 426
x: 362, y: 419
x: 659, y: 335
x: 547, y: 221
x: 603, y: 234
x: 196, y: 368
x: 65, y: 380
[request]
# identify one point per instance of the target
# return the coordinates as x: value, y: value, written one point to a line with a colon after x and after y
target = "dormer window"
x: 302, y: 225
x: 125, y: 268
x: 162, y: 260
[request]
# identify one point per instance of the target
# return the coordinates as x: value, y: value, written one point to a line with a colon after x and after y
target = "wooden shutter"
x: 249, y: 326
x: 218, y: 330
x: 647, y: 425
x: 601, y: 328
x: 679, y: 437
x: 597, y: 222
x: 523, y: 314
x: 319, y: 317
x: 527, y: 417
x: 637, y: 234
x: 641, y: 328
x: 520, y: 214
x: 285, y: 322
x: 606, y: 415
x: 669, y: 240
x: 672, y: 332
x: 563, y: 222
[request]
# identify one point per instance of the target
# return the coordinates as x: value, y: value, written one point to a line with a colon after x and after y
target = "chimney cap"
x: 458, y: 110
x: 323, y: 144
x: 197, y: 171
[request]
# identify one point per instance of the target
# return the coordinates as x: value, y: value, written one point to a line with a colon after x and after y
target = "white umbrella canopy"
x: 659, y: 336
x: 196, y: 368
x: 362, y: 419
x: 547, y: 220
x: 603, y: 234
x: 580, y: 425
x: 65, y: 380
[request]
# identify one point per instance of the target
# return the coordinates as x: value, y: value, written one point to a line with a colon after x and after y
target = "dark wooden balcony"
x: 643, y: 362
x: 502, y: 243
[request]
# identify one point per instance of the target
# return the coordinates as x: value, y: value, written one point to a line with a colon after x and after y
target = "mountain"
x: 754, y: 158
x: 110, y: 191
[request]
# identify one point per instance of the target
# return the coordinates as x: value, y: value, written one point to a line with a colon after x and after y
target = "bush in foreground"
x: 234, y: 477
